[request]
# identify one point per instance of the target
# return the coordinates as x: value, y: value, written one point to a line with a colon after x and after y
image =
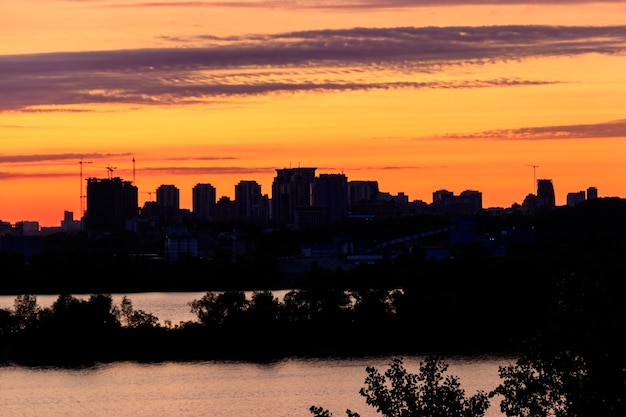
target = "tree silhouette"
x: 429, y: 393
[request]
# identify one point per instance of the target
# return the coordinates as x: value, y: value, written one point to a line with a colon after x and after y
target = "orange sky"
x: 418, y: 95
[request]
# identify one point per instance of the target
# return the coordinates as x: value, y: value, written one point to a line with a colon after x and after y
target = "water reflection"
x: 217, y: 389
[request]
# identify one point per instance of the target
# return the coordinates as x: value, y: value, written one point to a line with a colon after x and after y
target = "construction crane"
x: 111, y: 169
x: 534, y: 175
x: 82, y: 188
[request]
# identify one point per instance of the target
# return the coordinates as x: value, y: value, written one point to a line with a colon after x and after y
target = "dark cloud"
x: 42, y: 160
x: 347, y: 4
x: 385, y: 4
x: 55, y: 110
x: 387, y: 168
x: 202, y: 158
x: 179, y: 170
x: 324, y: 60
x: 612, y: 129
x: 33, y: 175
x: 38, y: 158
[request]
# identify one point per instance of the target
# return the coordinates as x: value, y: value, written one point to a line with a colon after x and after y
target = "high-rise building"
x: 291, y: 188
x: 471, y: 201
x: 110, y: 202
x: 575, y: 198
x: 360, y: 191
x: 443, y: 199
x: 592, y: 193
x: 168, y: 196
x: 224, y: 209
x: 330, y: 191
x: 545, y: 195
x: 203, y: 201
x: 250, y: 205
x: 68, y: 224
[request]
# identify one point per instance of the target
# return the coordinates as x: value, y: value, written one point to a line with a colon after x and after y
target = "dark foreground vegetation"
x: 557, y: 304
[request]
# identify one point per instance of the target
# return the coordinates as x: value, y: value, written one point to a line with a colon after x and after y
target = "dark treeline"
x: 318, y: 321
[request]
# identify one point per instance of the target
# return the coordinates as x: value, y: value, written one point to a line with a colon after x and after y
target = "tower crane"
x: 534, y: 175
x: 111, y: 169
x: 82, y: 195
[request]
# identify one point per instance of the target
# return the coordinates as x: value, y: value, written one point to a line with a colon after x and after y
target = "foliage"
x: 25, y: 310
x: 575, y: 364
x: 135, y: 318
x: 378, y: 305
x: 219, y: 309
x: 264, y: 307
x: 71, y: 313
x: 318, y: 304
x: 322, y: 412
x: 540, y: 387
x: 429, y: 393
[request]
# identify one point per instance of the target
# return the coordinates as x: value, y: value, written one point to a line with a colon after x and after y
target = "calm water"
x: 216, y: 389
x: 285, y: 388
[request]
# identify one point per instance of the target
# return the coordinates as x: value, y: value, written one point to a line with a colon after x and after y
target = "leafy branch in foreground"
x: 542, y: 387
x: 429, y: 393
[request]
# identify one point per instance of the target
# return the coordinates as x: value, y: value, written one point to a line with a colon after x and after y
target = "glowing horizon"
x: 417, y: 95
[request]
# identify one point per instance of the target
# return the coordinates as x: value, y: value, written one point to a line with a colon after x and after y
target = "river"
x: 285, y: 388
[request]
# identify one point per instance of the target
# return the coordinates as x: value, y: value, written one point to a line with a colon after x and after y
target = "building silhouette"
x: 575, y: 198
x: 203, y: 201
x: 529, y: 205
x: 359, y: 191
x: 330, y: 192
x: 68, y: 224
x: 545, y: 195
x: 443, y: 200
x: 179, y: 243
x: 168, y: 196
x: 468, y: 202
x: 250, y: 205
x: 110, y: 202
x: 299, y: 198
x: 361, y: 195
x: 592, y: 193
x: 291, y: 189
x: 471, y: 201
x: 225, y: 209
x: 167, y: 205
x: 26, y: 228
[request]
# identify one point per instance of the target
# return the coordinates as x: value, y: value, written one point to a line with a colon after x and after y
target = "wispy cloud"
x: 55, y: 110
x: 339, y: 4
x: 611, y: 129
x: 33, y: 175
x: 204, y: 170
x: 325, y: 60
x: 39, y: 158
x: 202, y: 158
x: 41, y: 161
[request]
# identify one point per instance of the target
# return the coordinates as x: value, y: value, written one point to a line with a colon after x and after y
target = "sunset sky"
x: 418, y: 95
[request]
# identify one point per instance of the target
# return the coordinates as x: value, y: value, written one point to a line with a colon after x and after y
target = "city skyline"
x: 168, y: 196
x: 417, y: 95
